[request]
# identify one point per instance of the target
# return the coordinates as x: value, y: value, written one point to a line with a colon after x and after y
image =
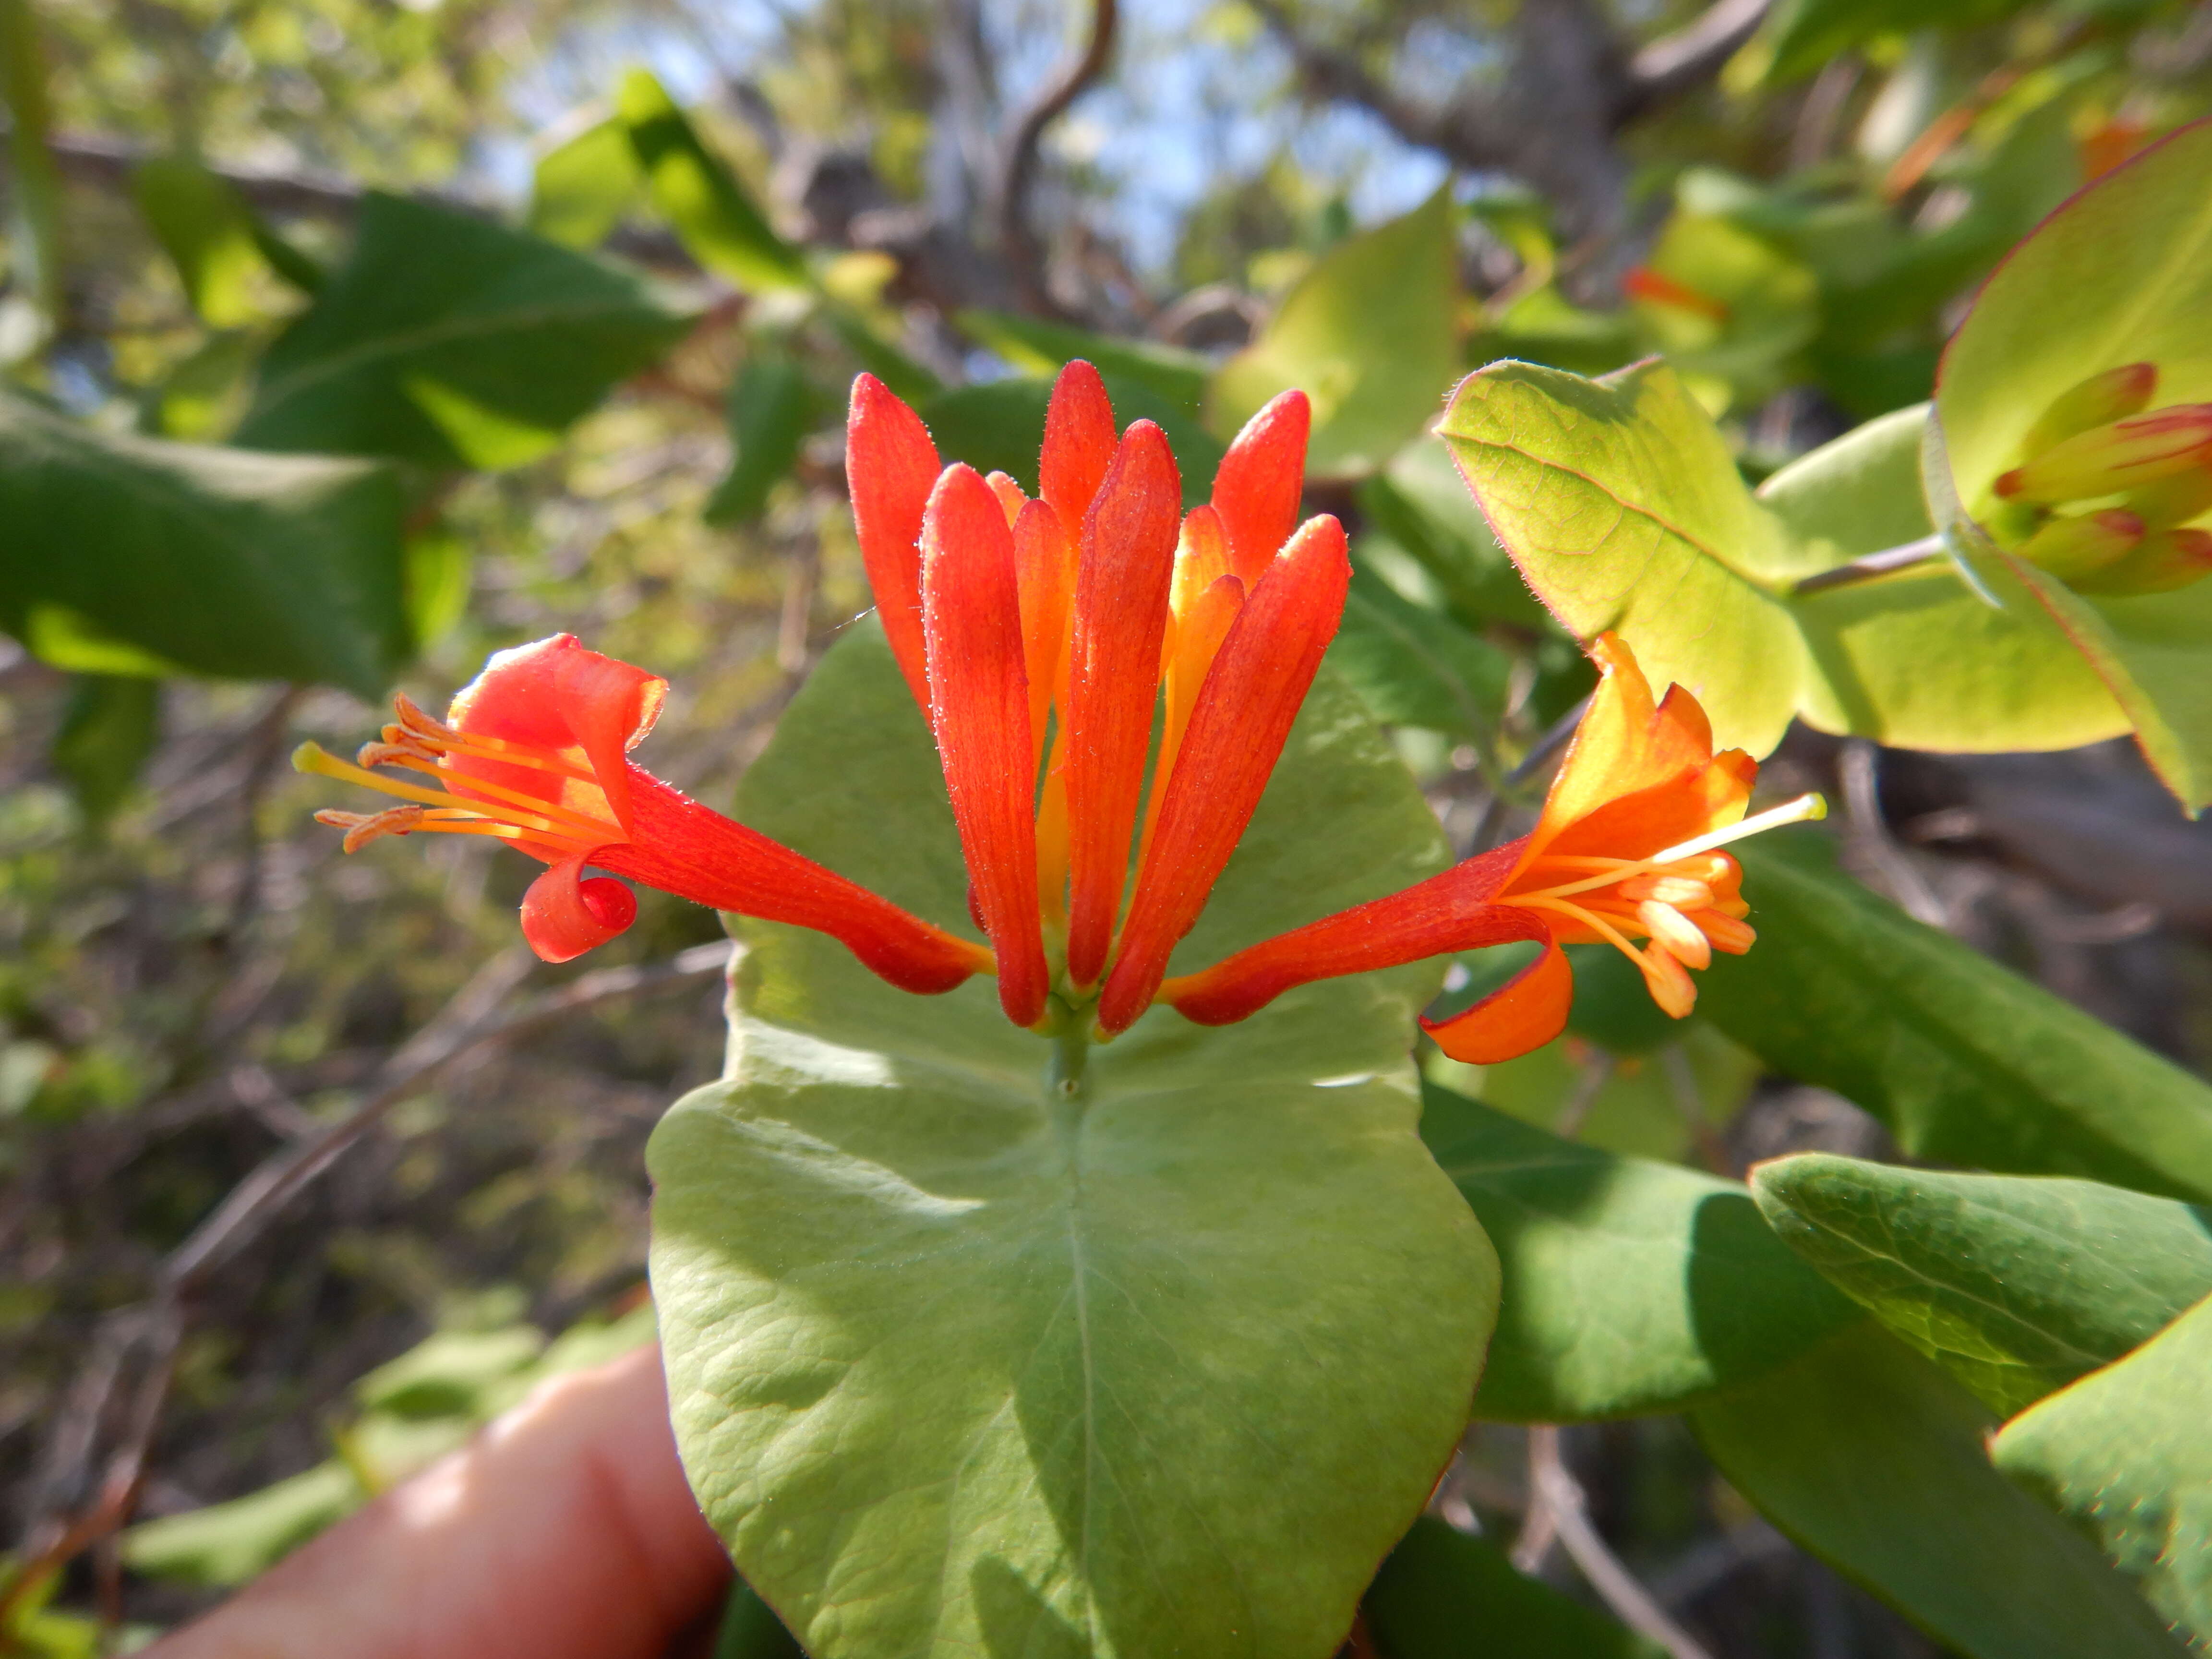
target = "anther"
x: 362, y: 828
x: 1675, y: 932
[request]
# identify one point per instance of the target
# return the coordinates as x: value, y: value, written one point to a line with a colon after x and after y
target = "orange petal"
x: 1044, y: 571
x: 1257, y: 684
x: 1201, y: 558
x: 1122, y: 584
x: 692, y: 851
x: 562, y: 917
x: 890, y: 467
x: 1256, y: 491
x: 979, y: 708
x: 1079, y: 442
x: 1524, y: 1013
x: 555, y: 695
x: 1010, y: 495
x: 1452, y: 911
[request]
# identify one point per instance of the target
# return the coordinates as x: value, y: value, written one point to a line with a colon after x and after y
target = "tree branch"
x: 1017, y: 174
x: 1685, y: 60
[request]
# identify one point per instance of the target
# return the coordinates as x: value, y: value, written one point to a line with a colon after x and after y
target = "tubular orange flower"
x: 1042, y: 639
x: 1624, y: 850
x: 535, y: 751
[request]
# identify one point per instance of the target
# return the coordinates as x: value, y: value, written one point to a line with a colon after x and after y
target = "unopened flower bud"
x: 2070, y: 549
x: 2100, y: 399
x: 2168, y: 559
x: 2120, y: 456
x: 2175, y: 500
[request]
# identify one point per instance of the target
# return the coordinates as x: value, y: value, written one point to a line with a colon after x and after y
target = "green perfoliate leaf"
x: 1873, y: 1459
x: 962, y: 1362
x: 1916, y: 659
x: 771, y: 408
x: 694, y: 189
x: 2124, y: 1455
x: 2121, y: 274
x: 1444, y: 1596
x: 148, y: 557
x: 452, y: 343
x: 581, y: 189
x: 2016, y: 1286
x: 1371, y: 334
x: 1622, y: 507
x: 1629, y: 1286
x: 1965, y: 1062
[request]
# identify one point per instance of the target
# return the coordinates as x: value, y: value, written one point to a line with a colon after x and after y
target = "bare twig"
x: 1563, y: 1499
x: 1678, y: 63
x: 1856, y: 769
x: 1018, y: 241
x: 149, y: 1333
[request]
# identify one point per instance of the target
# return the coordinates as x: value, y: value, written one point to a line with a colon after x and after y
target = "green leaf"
x: 771, y: 409
x: 960, y: 1360
x: 1629, y: 1286
x: 1444, y: 1596
x: 1370, y: 333
x: 205, y: 228
x: 110, y: 727
x: 1806, y: 33
x: 1965, y: 1062
x: 2121, y: 274
x: 1421, y: 504
x: 1761, y: 308
x: 581, y: 189
x: 1872, y: 1459
x: 216, y: 561
x: 452, y: 343
x: 702, y: 200
x: 2124, y: 1455
x: 2014, y: 1286
x: 35, y: 188
x: 1040, y: 348
x: 1621, y: 505
x: 1916, y: 659
x: 1649, y: 1103
x: 751, y: 1629
x: 1414, y: 667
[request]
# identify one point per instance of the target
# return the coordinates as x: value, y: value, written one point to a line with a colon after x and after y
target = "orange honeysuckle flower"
x: 1040, y: 638
x: 1625, y: 849
x: 536, y: 752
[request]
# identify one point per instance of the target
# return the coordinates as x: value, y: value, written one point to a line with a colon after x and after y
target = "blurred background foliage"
x: 344, y: 341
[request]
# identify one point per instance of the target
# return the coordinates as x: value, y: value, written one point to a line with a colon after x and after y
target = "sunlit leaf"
x: 2016, y: 1286
x: 2122, y: 274
x: 1965, y: 1062
x: 205, y: 228
x: 960, y: 1360
x: 1631, y: 1287
x: 713, y: 215
x: 217, y: 560
x: 2124, y: 1455
x: 1872, y: 1458
x: 1371, y: 334
x: 453, y: 343
x: 581, y: 189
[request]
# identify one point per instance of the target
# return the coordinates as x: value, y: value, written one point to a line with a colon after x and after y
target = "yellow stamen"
x: 500, y: 792
x: 313, y: 757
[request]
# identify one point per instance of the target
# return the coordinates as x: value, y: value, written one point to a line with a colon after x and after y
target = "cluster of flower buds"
x: 2106, y: 487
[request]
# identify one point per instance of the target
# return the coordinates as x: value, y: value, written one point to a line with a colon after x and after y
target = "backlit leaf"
x: 1371, y: 334
x: 581, y: 189
x: 713, y: 215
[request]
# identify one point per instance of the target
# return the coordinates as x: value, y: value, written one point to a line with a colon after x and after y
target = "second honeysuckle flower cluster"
x: 1046, y: 640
